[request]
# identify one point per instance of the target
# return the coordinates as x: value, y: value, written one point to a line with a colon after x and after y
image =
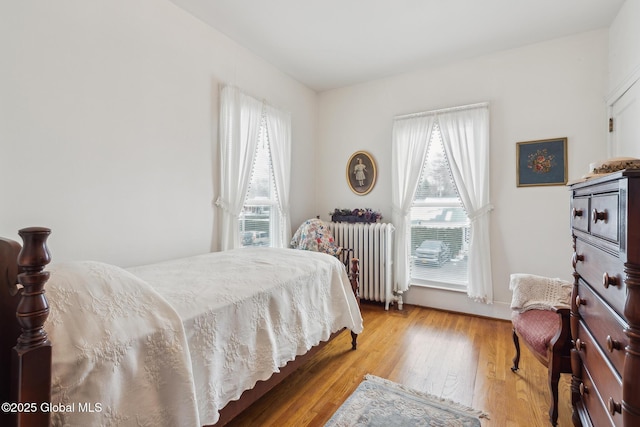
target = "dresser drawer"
x: 606, y: 327
x: 605, y: 385
x: 580, y: 213
x: 592, y: 401
x: 592, y: 264
x: 604, y: 216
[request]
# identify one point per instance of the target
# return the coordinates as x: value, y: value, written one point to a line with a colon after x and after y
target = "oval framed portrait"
x: 361, y: 172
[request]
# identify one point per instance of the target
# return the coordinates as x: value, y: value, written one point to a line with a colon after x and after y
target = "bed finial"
x: 33, y: 308
x: 31, y: 357
x: 35, y: 253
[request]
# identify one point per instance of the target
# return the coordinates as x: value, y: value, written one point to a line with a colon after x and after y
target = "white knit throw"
x: 531, y: 292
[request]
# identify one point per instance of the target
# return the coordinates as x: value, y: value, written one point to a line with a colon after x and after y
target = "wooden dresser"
x: 605, y: 308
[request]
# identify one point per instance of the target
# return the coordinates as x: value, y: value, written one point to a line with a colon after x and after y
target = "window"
x: 440, y: 200
x: 255, y: 169
x: 439, y: 229
x: 260, y: 208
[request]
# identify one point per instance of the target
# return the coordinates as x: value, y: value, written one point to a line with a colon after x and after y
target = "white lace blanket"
x: 120, y: 356
x: 120, y: 342
x: 531, y: 292
x: 248, y: 312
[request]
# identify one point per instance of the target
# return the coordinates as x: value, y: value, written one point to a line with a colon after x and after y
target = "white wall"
x: 108, y: 132
x: 624, y: 49
x: 108, y: 126
x: 624, y: 76
x: 546, y: 90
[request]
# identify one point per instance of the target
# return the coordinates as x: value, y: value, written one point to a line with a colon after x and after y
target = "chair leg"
x: 516, y: 359
x: 554, y: 379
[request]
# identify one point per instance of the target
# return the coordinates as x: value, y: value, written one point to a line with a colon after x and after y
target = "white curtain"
x: 240, y: 117
x: 411, y: 136
x: 240, y: 121
x: 465, y: 136
x: 279, y: 133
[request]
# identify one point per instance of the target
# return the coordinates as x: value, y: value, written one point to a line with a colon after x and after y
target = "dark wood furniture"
x: 552, y: 329
x: 25, y: 349
x: 25, y: 355
x: 605, y: 308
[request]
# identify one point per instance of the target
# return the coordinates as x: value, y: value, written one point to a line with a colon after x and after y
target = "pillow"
x: 314, y: 235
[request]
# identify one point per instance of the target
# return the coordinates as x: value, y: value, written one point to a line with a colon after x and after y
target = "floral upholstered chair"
x: 540, y: 318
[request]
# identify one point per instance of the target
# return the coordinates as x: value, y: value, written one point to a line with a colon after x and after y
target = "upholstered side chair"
x: 540, y: 318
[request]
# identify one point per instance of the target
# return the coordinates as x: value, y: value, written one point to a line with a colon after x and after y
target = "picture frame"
x: 361, y: 172
x: 542, y: 162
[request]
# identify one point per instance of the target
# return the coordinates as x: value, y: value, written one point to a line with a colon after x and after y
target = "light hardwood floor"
x: 454, y: 356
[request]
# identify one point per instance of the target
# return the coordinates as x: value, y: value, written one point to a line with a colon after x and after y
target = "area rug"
x: 378, y: 402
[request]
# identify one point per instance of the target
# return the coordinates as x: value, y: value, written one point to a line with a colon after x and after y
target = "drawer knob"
x: 598, y: 216
x: 609, y: 280
x: 613, y: 344
x: 614, y: 407
x: 579, y: 344
x: 576, y: 259
x: 583, y: 389
x: 576, y: 212
x: 580, y: 301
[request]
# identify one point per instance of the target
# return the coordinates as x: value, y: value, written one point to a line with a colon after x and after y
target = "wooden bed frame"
x: 25, y: 349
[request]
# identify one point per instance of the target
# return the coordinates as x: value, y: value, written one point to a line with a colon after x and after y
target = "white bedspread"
x: 245, y: 314
x: 251, y: 312
x: 120, y: 356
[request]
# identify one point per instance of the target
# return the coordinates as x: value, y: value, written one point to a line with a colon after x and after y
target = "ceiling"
x: 334, y: 43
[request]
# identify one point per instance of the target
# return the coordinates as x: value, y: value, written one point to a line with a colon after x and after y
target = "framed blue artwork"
x: 542, y: 162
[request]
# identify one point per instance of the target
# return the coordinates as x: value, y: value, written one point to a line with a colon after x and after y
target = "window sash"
x: 259, y: 211
x: 438, y: 235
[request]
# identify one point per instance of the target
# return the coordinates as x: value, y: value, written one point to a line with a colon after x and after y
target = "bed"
x: 186, y: 342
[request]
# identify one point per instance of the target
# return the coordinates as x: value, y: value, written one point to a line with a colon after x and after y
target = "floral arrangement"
x: 355, y: 215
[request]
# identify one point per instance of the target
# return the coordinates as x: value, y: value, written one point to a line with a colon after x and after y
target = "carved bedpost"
x: 31, y: 358
x: 354, y: 278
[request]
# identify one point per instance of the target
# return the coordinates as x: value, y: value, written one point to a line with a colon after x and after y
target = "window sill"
x: 438, y: 285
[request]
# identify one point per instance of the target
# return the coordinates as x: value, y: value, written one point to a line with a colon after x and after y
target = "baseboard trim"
x: 456, y: 301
